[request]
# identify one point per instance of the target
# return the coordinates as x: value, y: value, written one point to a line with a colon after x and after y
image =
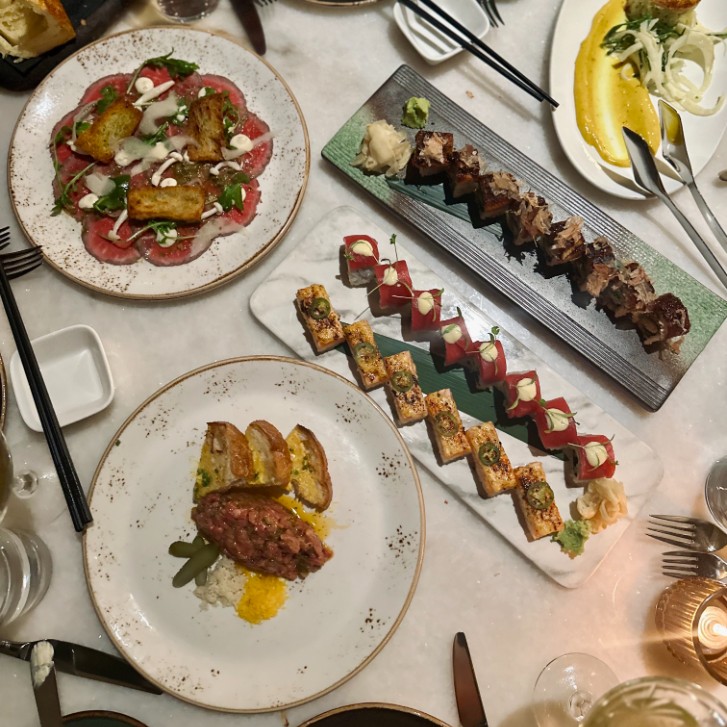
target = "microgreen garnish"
x: 177, y: 68
x: 230, y: 114
x: 116, y: 198
x: 63, y: 200
x: 108, y: 95
x: 232, y: 194
x: 157, y: 136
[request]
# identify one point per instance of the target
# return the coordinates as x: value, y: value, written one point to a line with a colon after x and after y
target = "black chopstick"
x: 478, y: 48
x: 70, y: 483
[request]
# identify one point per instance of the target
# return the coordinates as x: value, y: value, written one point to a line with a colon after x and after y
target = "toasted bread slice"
x: 443, y: 415
x: 101, y: 140
x: 310, y: 477
x: 183, y: 203
x: 31, y: 27
x: 404, y: 388
x: 271, y: 458
x: 319, y: 317
x: 492, y: 464
x: 366, y: 354
x: 206, y: 126
x: 226, y: 460
x: 542, y: 520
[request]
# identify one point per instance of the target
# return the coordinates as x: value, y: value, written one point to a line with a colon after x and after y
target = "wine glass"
x: 567, y: 688
x: 715, y: 491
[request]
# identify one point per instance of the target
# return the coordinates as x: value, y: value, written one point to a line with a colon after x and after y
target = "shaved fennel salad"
x: 662, y: 52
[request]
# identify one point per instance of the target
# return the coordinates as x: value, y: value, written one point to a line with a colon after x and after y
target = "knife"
x: 45, y: 687
x: 247, y: 12
x: 85, y: 662
x: 467, y: 693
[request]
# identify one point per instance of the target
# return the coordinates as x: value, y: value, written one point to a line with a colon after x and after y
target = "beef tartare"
x: 260, y: 533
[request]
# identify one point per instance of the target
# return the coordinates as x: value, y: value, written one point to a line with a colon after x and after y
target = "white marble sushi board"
x: 318, y: 259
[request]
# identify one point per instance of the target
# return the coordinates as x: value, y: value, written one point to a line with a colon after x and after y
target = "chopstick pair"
x: 70, y: 483
x: 471, y: 43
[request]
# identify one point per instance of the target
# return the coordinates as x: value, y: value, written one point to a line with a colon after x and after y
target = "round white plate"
x: 333, y: 622
x: 702, y: 133
x: 282, y: 184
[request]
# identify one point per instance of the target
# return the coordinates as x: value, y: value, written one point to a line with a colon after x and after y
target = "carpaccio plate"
x: 317, y: 259
x: 550, y: 299
x: 282, y: 183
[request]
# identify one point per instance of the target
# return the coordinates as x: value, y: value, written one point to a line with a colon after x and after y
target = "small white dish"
x: 76, y: 373
x: 433, y: 45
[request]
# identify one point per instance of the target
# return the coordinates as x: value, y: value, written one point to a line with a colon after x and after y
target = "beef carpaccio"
x: 159, y: 163
x: 260, y: 533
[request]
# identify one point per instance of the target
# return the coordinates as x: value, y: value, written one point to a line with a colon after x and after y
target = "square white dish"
x: 433, y: 45
x: 76, y: 372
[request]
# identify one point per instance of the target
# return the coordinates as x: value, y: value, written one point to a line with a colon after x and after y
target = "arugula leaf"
x: 230, y: 114
x: 158, y: 135
x: 116, y: 198
x: 63, y: 200
x: 177, y: 68
x: 108, y: 95
x: 232, y: 194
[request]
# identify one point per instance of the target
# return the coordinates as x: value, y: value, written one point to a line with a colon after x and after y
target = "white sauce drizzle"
x: 390, y: 277
x: 558, y: 420
x: 596, y: 453
x: 425, y: 303
x: 451, y: 333
x: 114, y: 233
x: 363, y: 248
x: 488, y: 351
x: 88, y: 201
x: 153, y: 93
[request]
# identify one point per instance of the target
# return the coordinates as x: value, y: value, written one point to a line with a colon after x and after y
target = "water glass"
x: 25, y: 573
x: 655, y: 702
x: 186, y: 11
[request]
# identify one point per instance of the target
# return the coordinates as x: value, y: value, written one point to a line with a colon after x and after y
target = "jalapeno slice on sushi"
x: 319, y: 309
x: 402, y: 381
x: 364, y: 352
x: 489, y: 453
x: 446, y: 423
x: 540, y: 495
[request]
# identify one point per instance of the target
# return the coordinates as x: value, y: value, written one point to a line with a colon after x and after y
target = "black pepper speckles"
x: 402, y: 543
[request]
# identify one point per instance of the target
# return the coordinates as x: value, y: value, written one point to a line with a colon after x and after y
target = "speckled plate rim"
x: 224, y: 276
x: 380, y: 415
x: 3, y: 393
x: 362, y: 706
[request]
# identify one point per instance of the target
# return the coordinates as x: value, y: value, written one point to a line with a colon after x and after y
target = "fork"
x: 264, y: 2
x: 18, y: 263
x: 492, y: 12
x: 688, y: 564
x: 687, y: 532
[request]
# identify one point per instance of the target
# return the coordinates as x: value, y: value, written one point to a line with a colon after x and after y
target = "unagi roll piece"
x: 628, y: 292
x: 536, y: 501
x: 663, y: 323
x: 403, y: 386
x: 564, y: 243
x: 497, y: 193
x: 443, y: 415
x: 530, y: 220
x: 492, y: 465
x: 369, y: 362
x: 465, y: 167
x: 595, y: 269
x: 430, y: 158
x: 320, y: 319
x: 361, y: 253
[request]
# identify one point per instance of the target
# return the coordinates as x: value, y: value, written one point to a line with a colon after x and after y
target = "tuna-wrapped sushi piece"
x: 663, y: 323
x: 522, y: 393
x: 426, y: 309
x: 361, y: 253
x: 530, y: 220
x: 260, y: 533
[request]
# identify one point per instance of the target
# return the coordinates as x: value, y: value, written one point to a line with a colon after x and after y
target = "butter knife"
x: 45, y: 687
x: 250, y: 19
x: 83, y: 661
x: 467, y: 693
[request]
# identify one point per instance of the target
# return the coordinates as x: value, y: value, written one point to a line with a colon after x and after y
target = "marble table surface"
x: 472, y: 580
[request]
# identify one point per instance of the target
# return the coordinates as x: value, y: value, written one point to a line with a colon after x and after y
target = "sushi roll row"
x: 593, y: 454
x: 620, y: 286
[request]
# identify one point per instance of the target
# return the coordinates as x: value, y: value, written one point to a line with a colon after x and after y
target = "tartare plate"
x: 282, y: 184
x: 549, y: 298
x: 317, y: 258
x: 335, y: 621
x: 702, y: 133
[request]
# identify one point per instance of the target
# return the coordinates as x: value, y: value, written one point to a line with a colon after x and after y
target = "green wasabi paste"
x: 572, y: 538
x: 416, y: 113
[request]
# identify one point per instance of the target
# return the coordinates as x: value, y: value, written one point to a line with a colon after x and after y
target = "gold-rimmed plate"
x: 282, y: 184
x: 335, y: 621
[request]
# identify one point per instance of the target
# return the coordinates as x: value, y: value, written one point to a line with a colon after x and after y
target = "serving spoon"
x: 674, y: 150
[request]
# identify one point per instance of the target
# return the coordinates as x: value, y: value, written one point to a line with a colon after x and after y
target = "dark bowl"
x: 100, y: 718
x: 374, y: 713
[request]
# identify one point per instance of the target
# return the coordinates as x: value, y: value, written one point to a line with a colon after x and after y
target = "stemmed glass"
x: 567, y: 688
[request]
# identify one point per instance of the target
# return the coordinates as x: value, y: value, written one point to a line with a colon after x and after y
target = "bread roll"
x: 31, y: 27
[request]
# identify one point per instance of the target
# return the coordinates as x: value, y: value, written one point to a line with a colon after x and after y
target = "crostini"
x: 309, y: 476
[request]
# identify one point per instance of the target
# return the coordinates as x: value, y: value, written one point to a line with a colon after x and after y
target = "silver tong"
x: 647, y: 176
